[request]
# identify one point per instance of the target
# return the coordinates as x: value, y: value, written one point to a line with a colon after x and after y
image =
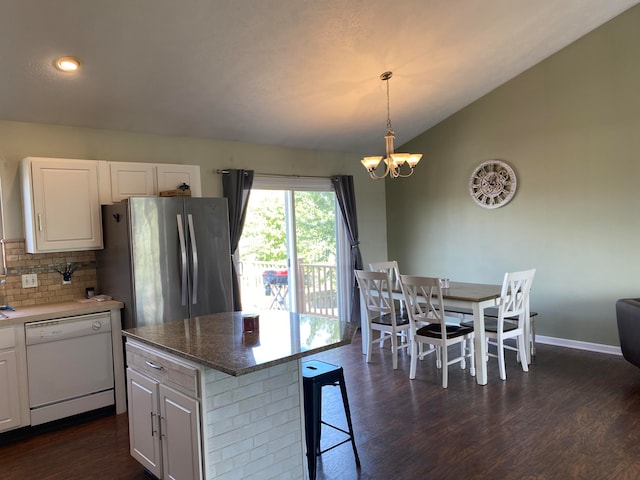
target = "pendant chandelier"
x: 393, y: 161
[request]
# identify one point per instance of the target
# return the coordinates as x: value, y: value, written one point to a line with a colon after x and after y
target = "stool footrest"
x: 337, y: 445
x: 346, y: 432
x: 348, y: 439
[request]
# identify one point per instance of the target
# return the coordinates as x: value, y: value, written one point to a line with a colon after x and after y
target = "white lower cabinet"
x: 179, y: 427
x: 164, y: 423
x: 9, y: 398
x: 144, y: 431
x: 14, y: 408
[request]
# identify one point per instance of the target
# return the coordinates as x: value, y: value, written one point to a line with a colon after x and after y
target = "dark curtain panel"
x: 236, y: 186
x: 345, y: 193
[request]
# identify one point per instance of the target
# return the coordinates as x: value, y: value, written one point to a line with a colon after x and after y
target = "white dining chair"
x: 513, y: 313
x: 390, y: 267
x: 429, y: 326
x: 381, y: 314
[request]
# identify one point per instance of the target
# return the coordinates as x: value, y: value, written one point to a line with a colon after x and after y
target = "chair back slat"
x: 376, y: 293
x: 391, y: 269
x: 423, y: 297
x: 514, y: 297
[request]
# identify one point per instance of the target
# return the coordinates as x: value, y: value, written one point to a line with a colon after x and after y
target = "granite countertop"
x: 217, y: 341
x: 49, y: 311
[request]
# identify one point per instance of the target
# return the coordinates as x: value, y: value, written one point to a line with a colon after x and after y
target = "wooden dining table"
x: 475, y: 296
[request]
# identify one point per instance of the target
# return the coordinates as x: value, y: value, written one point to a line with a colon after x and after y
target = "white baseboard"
x: 592, y: 347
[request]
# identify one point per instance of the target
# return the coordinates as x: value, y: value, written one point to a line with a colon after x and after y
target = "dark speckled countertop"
x: 217, y: 340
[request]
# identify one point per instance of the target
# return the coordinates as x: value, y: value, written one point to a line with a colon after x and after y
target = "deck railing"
x: 319, y: 289
x: 317, y: 292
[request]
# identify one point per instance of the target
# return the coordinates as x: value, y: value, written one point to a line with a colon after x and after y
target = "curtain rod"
x: 226, y: 172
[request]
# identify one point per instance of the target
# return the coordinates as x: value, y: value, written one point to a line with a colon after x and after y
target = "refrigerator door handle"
x: 194, y: 257
x: 183, y: 258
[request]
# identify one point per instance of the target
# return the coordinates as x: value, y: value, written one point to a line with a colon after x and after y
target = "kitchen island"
x: 223, y: 403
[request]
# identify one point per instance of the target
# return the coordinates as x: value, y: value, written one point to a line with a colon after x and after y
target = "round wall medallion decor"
x: 492, y: 184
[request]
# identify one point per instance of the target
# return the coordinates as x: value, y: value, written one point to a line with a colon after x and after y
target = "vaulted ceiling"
x: 297, y: 73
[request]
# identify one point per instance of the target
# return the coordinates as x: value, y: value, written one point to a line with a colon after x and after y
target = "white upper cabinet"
x: 132, y: 180
x: 170, y: 177
x: 149, y: 179
x: 61, y: 204
x: 62, y: 197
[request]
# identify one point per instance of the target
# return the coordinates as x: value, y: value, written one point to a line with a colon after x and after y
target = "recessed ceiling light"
x: 68, y: 64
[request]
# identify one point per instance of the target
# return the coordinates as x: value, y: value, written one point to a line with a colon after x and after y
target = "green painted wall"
x: 570, y: 128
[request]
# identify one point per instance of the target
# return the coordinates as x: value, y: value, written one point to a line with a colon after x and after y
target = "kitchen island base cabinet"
x: 179, y: 424
x: 164, y: 432
x: 144, y: 435
x: 163, y: 428
x: 247, y: 426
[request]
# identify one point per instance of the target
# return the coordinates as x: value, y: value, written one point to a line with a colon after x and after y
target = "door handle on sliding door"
x: 183, y: 259
x: 194, y: 259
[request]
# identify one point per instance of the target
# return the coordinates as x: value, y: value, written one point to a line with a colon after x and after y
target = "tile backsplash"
x: 50, y: 288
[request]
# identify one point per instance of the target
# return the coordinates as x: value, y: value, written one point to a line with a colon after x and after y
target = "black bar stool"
x: 315, y: 375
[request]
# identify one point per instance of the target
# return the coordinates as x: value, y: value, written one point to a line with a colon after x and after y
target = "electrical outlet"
x: 30, y: 280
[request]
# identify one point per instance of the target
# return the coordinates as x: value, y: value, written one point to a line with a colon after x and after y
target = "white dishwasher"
x: 69, y: 365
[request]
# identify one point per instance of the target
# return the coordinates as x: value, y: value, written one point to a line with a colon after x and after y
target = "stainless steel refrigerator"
x: 166, y: 258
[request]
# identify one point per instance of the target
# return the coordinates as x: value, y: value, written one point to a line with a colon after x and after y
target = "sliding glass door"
x: 290, y: 250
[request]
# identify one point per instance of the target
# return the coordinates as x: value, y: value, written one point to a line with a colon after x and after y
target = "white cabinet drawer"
x: 163, y: 368
x: 7, y: 338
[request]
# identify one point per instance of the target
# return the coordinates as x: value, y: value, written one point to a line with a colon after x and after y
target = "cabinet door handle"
x: 39, y: 222
x: 163, y: 428
x: 154, y: 366
x: 153, y: 430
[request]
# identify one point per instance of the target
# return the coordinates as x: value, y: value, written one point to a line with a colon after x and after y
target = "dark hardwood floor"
x: 575, y: 415
x: 94, y: 449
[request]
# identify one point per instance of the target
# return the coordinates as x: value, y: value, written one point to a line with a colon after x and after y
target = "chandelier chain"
x: 389, y: 127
